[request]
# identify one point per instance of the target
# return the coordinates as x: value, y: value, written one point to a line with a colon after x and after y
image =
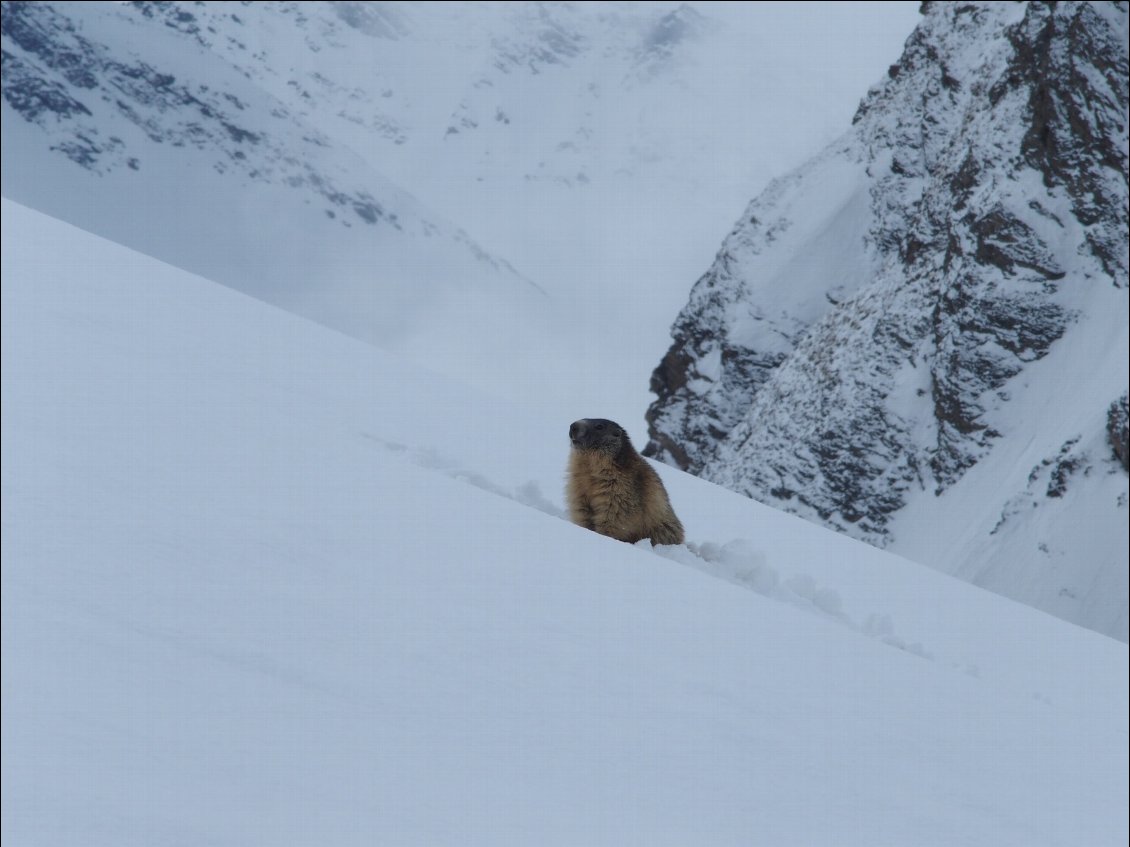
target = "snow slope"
x: 263, y: 583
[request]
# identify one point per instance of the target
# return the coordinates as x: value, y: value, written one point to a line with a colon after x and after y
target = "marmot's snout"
x: 589, y: 433
x: 577, y: 432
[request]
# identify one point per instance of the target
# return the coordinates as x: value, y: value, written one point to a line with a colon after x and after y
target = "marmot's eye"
x: 600, y: 426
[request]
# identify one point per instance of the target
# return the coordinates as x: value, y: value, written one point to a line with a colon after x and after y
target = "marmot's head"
x: 599, y: 434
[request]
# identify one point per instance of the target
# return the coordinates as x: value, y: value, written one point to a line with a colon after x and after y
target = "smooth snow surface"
x: 265, y: 584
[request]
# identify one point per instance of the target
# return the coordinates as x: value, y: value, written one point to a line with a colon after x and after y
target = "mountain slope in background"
x: 263, y: 583
x: 918, y: 337
x: 273, y: 147
x: 136, y: 131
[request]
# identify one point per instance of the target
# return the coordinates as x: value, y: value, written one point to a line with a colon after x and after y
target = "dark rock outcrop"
x: 1118, y: 430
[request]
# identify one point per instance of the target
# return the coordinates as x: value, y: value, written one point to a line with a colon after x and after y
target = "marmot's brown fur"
x: 612, y: 490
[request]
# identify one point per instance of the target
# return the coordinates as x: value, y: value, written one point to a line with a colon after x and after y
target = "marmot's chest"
x: 609, y: 490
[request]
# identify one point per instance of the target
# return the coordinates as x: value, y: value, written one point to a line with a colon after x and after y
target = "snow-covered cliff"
x: 916, y: 337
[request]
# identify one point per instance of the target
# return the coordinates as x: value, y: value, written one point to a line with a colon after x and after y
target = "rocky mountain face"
x: 876, y: 324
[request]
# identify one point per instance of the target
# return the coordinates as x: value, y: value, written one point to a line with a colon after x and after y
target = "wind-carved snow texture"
x: 856, y: 339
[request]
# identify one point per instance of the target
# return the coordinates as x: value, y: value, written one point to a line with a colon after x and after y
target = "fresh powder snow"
x: 264, y: 583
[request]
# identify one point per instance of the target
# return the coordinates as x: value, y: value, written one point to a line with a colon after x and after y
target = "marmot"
x: 612, y: 490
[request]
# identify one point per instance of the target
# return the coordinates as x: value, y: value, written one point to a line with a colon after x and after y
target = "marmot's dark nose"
x: 577, y: 431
